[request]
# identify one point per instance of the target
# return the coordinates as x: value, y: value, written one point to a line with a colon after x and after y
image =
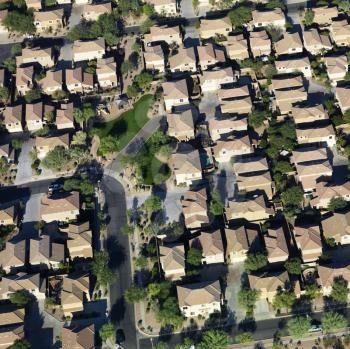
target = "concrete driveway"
x: 225, y: 181
x: 187, y: 10
x: 208, y: 104
x: 24, y: 170
x: 75, y: 16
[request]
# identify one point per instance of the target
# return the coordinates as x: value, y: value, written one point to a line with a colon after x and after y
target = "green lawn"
x: 128, y: 124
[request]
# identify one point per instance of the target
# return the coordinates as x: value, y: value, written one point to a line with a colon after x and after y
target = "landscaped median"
x: 116, y: 134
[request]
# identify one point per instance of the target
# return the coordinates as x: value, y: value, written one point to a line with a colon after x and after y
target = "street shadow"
x: 221, y: 185
x: 116, y: 251
x: 118, y: 311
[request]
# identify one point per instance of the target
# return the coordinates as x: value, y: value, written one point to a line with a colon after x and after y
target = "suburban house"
x: 323, y: 15
x: 327, y: 275
x: 250, y: 164
x: 286, y: 83
x: 32, y: 283
x: 9, y: 334
x: 316, y: 134
x: 269, y: 284
x: 65, y: 116
x: 308, y: 154
x: 337, y: 227
x: 240, y: 241
x: 91, y: 12
x: 154, y: 58
x: 337, y: 67
x: 44, y: 144
x: 24, y: 79
x: 211, y: 246
x: 13, y: 256
x: 88, y: 50
x: 78, y: 337
x: 326, y: 191
x: 210, y: 28
x: 264, y: 18
x: 164, y: 7
x: 291, y: 65
x: 44, y: 252
x: 237, y: 106
x: 225, y: 127
x: 251, y: 210
x: 285, y: 99
x: 106, y: 72
x: 224, y: 150
x: 308, y: 240
x: 8, y: 215
x: 163, y: 34
x: 290, y: 44
x: 44, y: 57
x: 12, y: 118
x: 316, y: 43
x: 63, y: 208
x: 308, y: 113
x: 78, y: 81
x: 209, y: 56
x: 234, y: 92
x: 256, y: 182
x: 339, y: 32
x: 195, y: 208
x: 276, y: 245
x: 52, y: 82
x: 181, y: 126
x: 260, y: 43
x: 212, y: 80
x: 237, y: 47
x: 183, y: 61
x: 342, y: 95
x: 35, y: 113
x: 202, y: 298
x: 48, y: 21
x: 175, y: 93
x: 172, y: 260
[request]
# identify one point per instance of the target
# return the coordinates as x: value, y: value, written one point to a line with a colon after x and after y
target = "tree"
x: 127, y: 67
x: 17, y: 143
x: 60, y: 95
x: 144, y: 80
x: 168, y: 313
x: 240, y: 16
x: 270, y: 71
x: 152, y: 204
x: 127, y: 229
x: 107, y: 331
x: 4, y: 94
x: 284, y: 300
x: 146, y: 25
x: 10, y: 64
x: 332, y: 321
x: 135, y: 294
x: 49, y: 3
x: 337, y: 204
x: 108, y: 145
x: 299, y: 326
x: 272, y: 4
x: 132, y: 91
x: 84, y: 186
x: 344, y: 5
x: 194, y: 257
x: 161, y: 345
x: 20, y: 298
x: 283, y: 167
x: 187, y: 344
x: 32, y: 95
x: 244, y: 337
x: 19, y: 22
x: 56, y: 159
x: 100, y: 269
x: 216, y: 205
x: 312, y: 291
x: 247, y: 298
x: 19, y: 3
x: 20, y: 344
x: 255, y: 261
x: 309, y: 17
x: 214, y: 339
x: 293, y: 266
x: 256, y: 119
x: 292, y: 197
x: 275, y: 32
x: 340, y: 290
x: 79, y: 138
x: 83, y: 114
x: 16, y: 50
x: 148, y: 10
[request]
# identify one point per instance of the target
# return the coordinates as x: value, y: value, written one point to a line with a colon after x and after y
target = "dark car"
x: 120, y: 336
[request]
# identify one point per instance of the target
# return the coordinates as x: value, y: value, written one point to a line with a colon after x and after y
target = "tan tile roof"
x: 336, y: 226
x: 289, y: 41
x: 307, y: 237
x: 175, y: 89
x: 269, y: 282
x: 322, y: 11
x: 217, y: 74
x: 276, y: 244
x: 251, y: 164
x: 185, y: 55
x: 295, y: 95
x: 180, y: 122
x: 243, y: 238
x: 254, y: 180
x: 213, y: 24
x: 52, y: 204
x: 259, y: 40
x: 34, y: 111
x: 153, y: 53
x: 106, y: 69
x: 186, y: 163
x: 172, y: 257
x: 88, y: 46
x: 199, y: 293
x: 45, y: 250
x: 194, y: 202
x: 313, y: 169
x: 65, y: 114
x: 237, y: 106
x: 53, y: 142
x: 327, y: 191
x: 243, y: 206
x: 75, y: 288
x: 161, y: 2
x: 9, y: 334
x: 22, y: 281
x: 207, y: 53
x: 13, y: 254
x: 314, y: 132
x: 24, y: 76
x: 237, y: 42
x: 304, y: 111
x: 279, y: 83
x: 301, y: 155
x: 329, y: 273
x: 343, y: 96
x: 267, y: 16
x: 336, y: 64
x: 97, y: 9
x: 78, y: 337
x: 7, y: 213
x: 340, y: 30
x: 78, y: 76
x: 210, y: 243
x: 221, y: 124
x: 32, y: 54
x: 313, y: 38
x: 52, y: 79
x: 80, y: 244
x: 45, y: 16
x: 293, y: 63
x: 235, y: 92
x: 9, y: 315
x: 231, y: 145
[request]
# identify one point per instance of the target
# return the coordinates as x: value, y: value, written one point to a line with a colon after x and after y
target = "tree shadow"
x: 116, y: 252
x: 247, y: 325
x: 118, y: 311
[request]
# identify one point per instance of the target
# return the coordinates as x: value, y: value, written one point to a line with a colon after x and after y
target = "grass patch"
x: 128, y: 124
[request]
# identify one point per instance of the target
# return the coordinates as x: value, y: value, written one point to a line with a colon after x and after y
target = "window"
x: 181, y: 100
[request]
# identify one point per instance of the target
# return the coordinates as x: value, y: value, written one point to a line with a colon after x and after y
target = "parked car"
x: 120, y: 336
x: 55, y: 187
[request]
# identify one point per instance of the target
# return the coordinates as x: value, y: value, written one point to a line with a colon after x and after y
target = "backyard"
x: 128, y: 124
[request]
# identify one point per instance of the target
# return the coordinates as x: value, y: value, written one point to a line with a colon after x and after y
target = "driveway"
x: 75, y: 16
x: 208, y: 104
x: 225, y: 181
x: 24, y: 170
x: 187, y: 10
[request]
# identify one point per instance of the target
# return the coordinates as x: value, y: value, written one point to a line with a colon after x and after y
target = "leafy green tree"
x: 141, y: 262
x: 216, y: 205
x: 20, y: 344
x: 309, y: 17
x: 127, y: 67
x: 344, y: 5
x: 332, y: 321
x: 129, y: 6
x: 4, y: 94
x: 275, y: 32
x: 19, y: 22
x: 83, y: 114
x: 152, y: 204
x: 240, y: 16
x: 9, y: 63
x: 101, y: 270
x: 148, y: 10
x: 270, y: 71
x: 168, y: 313
x: 256, y: 119
x: 161, y: 345
x: 299, y: 326
x: 132, y: 91
x: 59, y: 95
x: 135, y: 294
x: 293, y: 266
x: 49, y: 3
x: 79, y: 138
x: 337, y: 204
x: 255, y: 261
x: 159, y: 290
x: 84, y: 186
x: 292, y: 197
x: 284, y: 300
x: 19, y: 3
x: 194, y: 257
x: 248, y: 297
x: 340, y: 291
x: 146, y: 26
x: 108, y: 145
x: 244, y: 337
x: 107, y: 332
x: 272, y: 4
x: 16, y: 50
x: 186, y: 344
x: 283, y: 167
x: 127, y: 229
x: 312, y: 291
x: 20, y: 298
x: 214, y: 339
x: 17, y: 143
x: 56, y: 159
x: 32, y: 95
x: 144, y: 80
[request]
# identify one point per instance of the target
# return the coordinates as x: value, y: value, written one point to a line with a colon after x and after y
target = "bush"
x: 255, y: 261
x: 19, y: 22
